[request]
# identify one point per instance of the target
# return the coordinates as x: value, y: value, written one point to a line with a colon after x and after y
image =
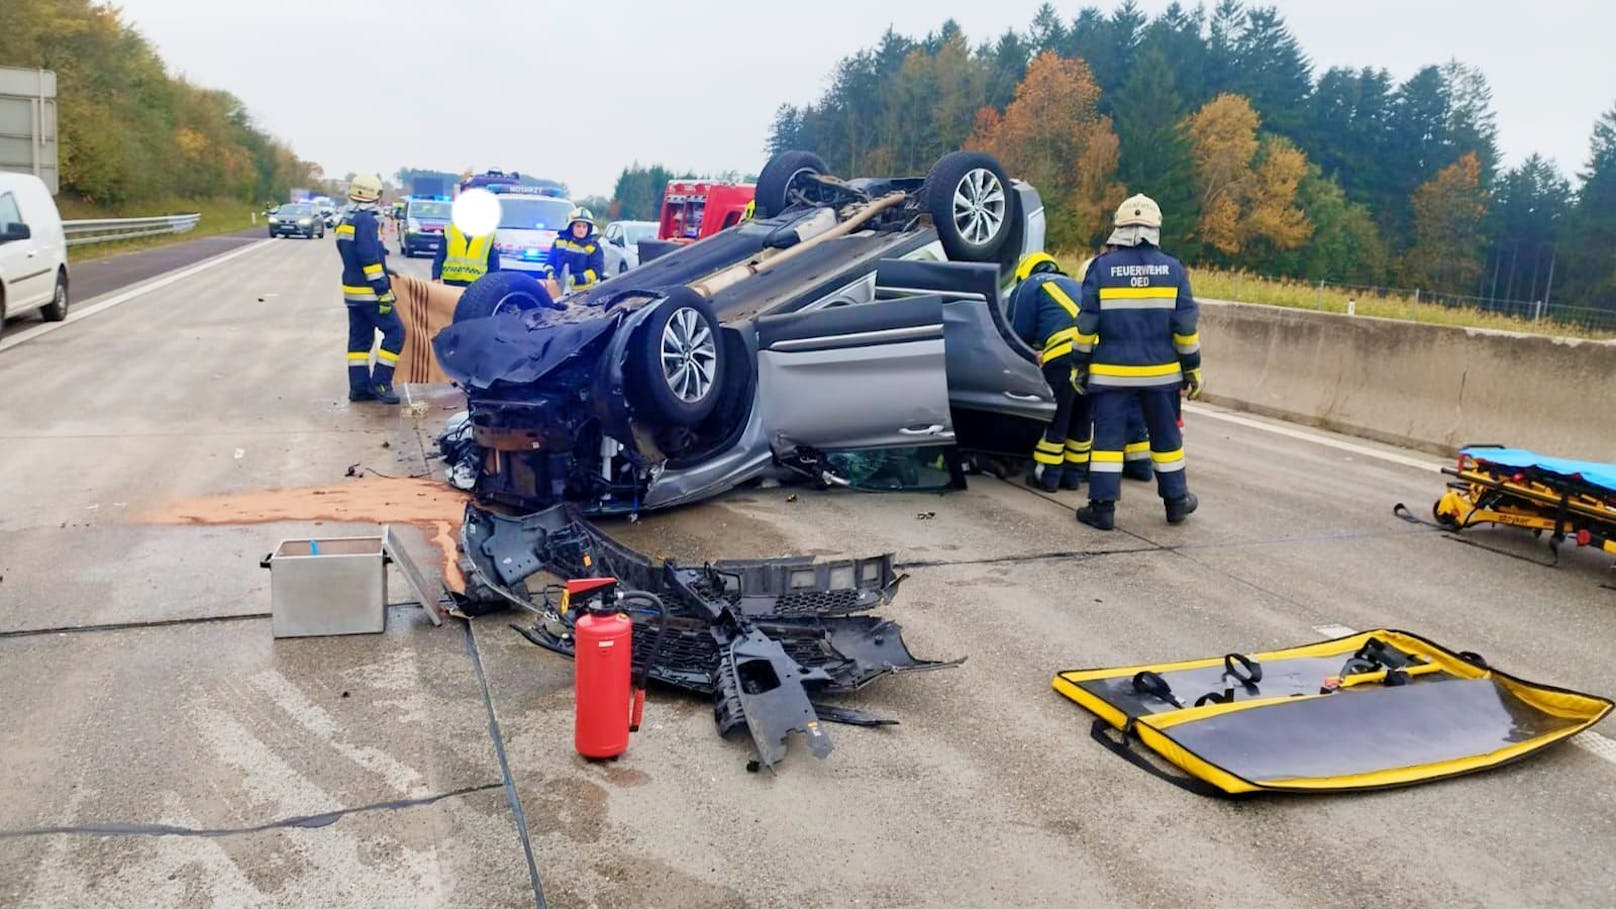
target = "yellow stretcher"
x: 1369, y: 711
x: 1569, y: 500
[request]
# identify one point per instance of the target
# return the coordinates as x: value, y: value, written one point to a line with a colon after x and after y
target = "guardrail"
x: 100, y: 230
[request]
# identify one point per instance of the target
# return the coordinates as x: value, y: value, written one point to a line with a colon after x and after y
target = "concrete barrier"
x: 1432, y: 387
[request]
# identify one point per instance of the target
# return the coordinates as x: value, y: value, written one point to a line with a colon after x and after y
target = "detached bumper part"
x: 763, y: 637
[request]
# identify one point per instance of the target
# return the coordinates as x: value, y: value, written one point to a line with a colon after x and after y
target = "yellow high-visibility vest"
x: 466, y: 258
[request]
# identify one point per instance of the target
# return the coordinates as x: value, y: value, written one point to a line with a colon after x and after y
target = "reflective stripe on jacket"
x: 463, y: 259
x: 364, y: 259
x: 1043, y: 312
x: 1136, y: 324
x: 583, y: 259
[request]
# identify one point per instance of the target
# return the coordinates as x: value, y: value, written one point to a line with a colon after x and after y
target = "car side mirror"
x: 15, y: 231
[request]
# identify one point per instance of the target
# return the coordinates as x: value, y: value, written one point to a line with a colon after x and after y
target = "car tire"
x: 782, y: 172
x: 971, y: 204
x: 56, y: 309
x: 622, y: 265
x: 677, y: 362
x: 501, y: 291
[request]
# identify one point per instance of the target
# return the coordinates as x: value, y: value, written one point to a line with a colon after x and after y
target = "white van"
x: 33, y: 250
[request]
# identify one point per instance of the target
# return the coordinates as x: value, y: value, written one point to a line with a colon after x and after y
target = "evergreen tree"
x: 1530, y: 204
x: 1592, y: 229
x: 1155, y: 157
x: 1271, y: 70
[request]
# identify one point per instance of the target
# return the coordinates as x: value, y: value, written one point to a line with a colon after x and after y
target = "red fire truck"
x: 693, y: 209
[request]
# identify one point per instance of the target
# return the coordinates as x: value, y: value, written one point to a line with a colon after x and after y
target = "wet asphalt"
x: 174, y: 754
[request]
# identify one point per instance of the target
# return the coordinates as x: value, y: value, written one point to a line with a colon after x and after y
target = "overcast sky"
x: 575, y: 91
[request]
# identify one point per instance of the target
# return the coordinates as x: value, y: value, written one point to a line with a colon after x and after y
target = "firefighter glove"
x: 1192, y: 384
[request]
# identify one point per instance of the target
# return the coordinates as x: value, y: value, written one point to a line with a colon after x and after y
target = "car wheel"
x: 56, y: 309
x: 678, y: 364
x: 502, y: 291
x: 970, y: 202
x: 780, y: 176
x: 622, y: 265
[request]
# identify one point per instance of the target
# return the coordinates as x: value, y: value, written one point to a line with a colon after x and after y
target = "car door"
x: 612, y: 246
x: 855, y: 377
x: 30, y: 278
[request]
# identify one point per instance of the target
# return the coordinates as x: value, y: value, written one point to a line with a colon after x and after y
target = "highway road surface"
x: 158, y: 748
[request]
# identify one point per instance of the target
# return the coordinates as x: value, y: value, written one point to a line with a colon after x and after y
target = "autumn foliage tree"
x: 1053, y: 135
x: 1247, y: 186
x: 1448, y: 215
x: 131, y: 133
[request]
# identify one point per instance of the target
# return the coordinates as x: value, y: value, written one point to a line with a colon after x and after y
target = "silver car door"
x: 855, y: 377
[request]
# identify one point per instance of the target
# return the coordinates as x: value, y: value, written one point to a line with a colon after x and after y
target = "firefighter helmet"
x: 1138, y: 211
x: 365, y: 188
x: 580, y: 214
x: 1034, y: 263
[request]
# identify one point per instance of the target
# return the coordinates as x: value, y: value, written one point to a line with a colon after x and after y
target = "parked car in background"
x: 621, y: 244
x: 296, y: 219
x: 33, y: 250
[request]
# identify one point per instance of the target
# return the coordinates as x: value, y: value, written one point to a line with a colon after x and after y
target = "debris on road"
x: 1367, y: 711
x: 764, y: 637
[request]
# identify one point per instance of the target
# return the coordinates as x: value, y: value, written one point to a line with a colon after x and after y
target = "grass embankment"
x: 1217, y: 284
x: 219, y: 216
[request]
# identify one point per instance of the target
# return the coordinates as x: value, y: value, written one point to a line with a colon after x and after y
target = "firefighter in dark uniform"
x: 1043, y: 313
x: 1136, y: 453
x: 1137, y: 345
x: 369, y: 295
x: 578, y: 252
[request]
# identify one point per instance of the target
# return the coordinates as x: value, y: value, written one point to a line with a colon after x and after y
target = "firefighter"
x: 1137, y: 345
x: 1043, y: 312
x: 462, y: 259
x: 1136, y: 452
x: 578, y: 252
x: 369, y: 295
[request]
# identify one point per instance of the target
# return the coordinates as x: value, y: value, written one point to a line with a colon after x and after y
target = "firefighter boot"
x: 1099, y: 515
x: 1045, y: 476
x: 1073, y: 477
x: 383, y: 392
x: 1181, y: 508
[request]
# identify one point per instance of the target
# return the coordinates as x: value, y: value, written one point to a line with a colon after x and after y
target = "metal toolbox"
x: 328, y: 586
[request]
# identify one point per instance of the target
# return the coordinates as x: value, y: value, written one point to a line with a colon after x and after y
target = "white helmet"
x: 1138, y: 211
x: 365, y: 188
x: 1138, y: 220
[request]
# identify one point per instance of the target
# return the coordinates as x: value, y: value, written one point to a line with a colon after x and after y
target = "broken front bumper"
x: 763, y: 636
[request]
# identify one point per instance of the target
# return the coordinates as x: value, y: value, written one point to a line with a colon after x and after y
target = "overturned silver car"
x: 850, y: 315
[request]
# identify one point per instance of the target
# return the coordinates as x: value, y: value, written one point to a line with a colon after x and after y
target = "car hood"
x: 517, y: 348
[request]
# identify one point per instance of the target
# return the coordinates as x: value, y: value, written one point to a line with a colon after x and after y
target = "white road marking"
x: 1202, y: 410
x: 1588, y: 740
x: 1334, y: 631
x: 139, y: 290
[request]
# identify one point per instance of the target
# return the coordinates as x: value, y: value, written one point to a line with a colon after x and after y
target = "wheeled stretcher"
x: 1569, y: 500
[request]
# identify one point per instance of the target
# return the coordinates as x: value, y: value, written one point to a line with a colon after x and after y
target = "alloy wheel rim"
x: 689, y: 354
x: 979, y: 205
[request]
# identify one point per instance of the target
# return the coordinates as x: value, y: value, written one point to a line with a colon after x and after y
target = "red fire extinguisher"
x: 609, y: 692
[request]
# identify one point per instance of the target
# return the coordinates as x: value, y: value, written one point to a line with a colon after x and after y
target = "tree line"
x: 131, y: 133
x: 1259, y: 164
